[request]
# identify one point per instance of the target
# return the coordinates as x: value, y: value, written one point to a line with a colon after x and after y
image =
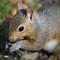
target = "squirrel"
x: 33, y: 31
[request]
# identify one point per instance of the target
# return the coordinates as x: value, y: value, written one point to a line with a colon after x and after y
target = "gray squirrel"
x: 33, y: 31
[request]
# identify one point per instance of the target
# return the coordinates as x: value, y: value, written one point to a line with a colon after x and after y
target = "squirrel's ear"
x: 29, y: 13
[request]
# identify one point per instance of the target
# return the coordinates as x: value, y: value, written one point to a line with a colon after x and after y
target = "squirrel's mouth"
x: 19, y: 39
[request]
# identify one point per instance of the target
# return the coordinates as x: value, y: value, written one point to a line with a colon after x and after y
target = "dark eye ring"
x: 21, y: 28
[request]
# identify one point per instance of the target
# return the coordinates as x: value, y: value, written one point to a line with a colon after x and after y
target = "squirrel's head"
x: 23, y: 27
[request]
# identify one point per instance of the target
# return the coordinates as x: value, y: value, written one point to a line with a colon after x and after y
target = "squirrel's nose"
x: 12, y: 38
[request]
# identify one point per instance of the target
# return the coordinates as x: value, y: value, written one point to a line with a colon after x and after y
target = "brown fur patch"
x: 55, y: 35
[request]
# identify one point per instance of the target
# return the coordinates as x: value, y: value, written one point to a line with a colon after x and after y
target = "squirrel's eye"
x: 21, y: 28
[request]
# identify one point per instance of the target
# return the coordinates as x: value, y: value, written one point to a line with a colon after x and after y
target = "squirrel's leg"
x: 48, y: 50
x: 54, y: 40
x: 51, y: 45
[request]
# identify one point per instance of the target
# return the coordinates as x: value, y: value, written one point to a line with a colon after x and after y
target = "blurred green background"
x: 5, y: 7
